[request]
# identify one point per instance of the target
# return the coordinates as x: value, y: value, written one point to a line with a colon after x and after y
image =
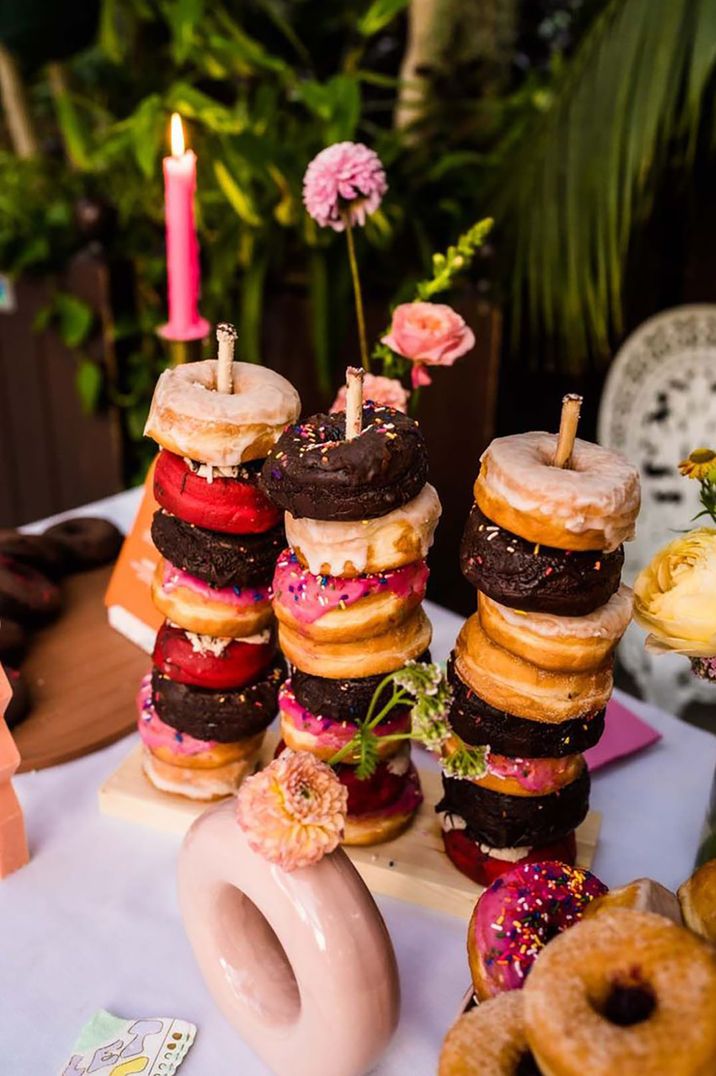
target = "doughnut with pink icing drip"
x: 323, y: 736
x: 155, y: 734
x: 536, y: 776
x: 237, y: 597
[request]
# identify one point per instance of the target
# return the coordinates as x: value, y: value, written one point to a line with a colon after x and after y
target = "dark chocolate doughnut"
x: 503, y: 821
x: 221, y: 560
x: 89, y: 541
x: 20, y: 703
x: 224, y: 716
x: 537, y: 579
x: 25, y: 594
x: 13, y: 642
x: 476, y: 722
x: 313, y: 472
x: 40, y: 551
x: 341, y: 700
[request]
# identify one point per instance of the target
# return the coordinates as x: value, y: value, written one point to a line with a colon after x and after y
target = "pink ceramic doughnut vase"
x: 300, y: 963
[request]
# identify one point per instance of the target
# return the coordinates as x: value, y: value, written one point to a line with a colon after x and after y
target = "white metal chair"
x: 659, y: 402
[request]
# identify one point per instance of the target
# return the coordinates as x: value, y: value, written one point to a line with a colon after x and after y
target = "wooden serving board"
x: 413, y: 867
x: 83, y: 677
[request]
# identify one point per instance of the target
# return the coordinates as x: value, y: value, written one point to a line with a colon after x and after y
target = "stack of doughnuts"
x: 216, y: 672
x: 347, y: 593
x: 531, y: 671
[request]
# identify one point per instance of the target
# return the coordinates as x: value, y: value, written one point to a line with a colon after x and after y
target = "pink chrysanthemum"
x: 346, y: 178
x: 381, y: 390
x: 294, y: 811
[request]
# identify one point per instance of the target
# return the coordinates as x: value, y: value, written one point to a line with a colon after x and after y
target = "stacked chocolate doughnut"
x: 360, y: 518
x: 532, y: 669
x: 213, y: 687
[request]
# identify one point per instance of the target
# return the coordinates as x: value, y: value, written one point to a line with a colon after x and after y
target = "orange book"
x: 128, y: 599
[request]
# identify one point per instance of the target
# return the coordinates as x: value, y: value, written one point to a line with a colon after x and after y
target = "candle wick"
x: 226, y: 336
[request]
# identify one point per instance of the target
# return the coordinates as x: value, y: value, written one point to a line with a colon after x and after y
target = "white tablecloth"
x: 92, y: 922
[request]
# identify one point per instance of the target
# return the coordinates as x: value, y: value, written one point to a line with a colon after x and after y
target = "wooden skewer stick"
x: 226, y: 336
x: 354, y: 402
x: 571, y: 406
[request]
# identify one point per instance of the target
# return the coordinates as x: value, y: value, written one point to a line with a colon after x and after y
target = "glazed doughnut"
x: 489, y: 1040
x: 476, y: 722
x: 403, y: 536
x: 197, y: 607
x: 483, y: 864
x: 213, y: 784
x: 624, y: 992
x: 333, y: 609
x: 364, y: 657
x: 323, y: 736
x: 643, y: 895
x: 230, y: 505
x: 592, y: 504
x: 42, y: 552
x: 315, y: 473
x: 88, y: 541
x: 189, y: 418
x: 13, y: 642
x: 519, y: 687
x: 224, y: 716
x: 697, y: 898
x: 221, y: 560
x: 533, y: 577
x: 345, y: 699
x: 26, y: 595
x: 209, y: 662
x: 518, y: 776
x: 558, y: 643
x: 517, y: 915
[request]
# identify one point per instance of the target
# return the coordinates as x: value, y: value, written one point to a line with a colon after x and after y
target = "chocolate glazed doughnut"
x: 222, y: 560
x: 313, y: 472
x: 224, y: 716
x: 39, y: 551
x: 537, y: 579
x: 341, y: 700
x: 88, y: 541
x: 502, y: 821
x: 26, y: 595
x: 476, y: 722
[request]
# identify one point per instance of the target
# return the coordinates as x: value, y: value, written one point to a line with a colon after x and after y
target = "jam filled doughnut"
x: 315, y: 473
x: 42, y: 552
x: 26, y: 595
x: 623, y: 992
x: 210, y: 662
x: 489, y: 1040
x: 232, y: 505
x: 533, y: 577
x: 221, y: 560
x: 196, y: 606
x: 88, y: 541
x: 590, y: 505
x: 517, y: 915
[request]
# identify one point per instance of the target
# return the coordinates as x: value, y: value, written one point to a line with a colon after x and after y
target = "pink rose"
x: 381, y: 390
x: 429, y: 334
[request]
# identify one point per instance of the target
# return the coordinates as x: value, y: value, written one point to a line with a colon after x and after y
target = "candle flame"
x: 177, y: 135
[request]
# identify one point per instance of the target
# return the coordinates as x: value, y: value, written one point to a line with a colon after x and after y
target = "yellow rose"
x: 675, y: 596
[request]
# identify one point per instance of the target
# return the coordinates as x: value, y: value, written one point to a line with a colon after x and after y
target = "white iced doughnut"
x: 189, y: 417
x: 592, y: 504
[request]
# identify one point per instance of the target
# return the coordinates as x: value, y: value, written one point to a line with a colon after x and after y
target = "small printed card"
x: 110, y: 1046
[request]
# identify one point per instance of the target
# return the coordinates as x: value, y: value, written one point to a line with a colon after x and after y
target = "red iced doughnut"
x: 201, y: 661
x: 229, y: 505
x: 482, y: 868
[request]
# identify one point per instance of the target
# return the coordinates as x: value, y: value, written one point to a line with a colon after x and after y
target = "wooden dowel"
x: 354, y: 402
x: 226, y: 336
x: 571, y: 406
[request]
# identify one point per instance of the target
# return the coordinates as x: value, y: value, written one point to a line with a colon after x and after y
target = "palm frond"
x: 572, y: 187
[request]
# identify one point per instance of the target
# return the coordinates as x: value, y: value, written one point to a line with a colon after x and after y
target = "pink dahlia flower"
x: 344, y: 178
x: 381, y: 390
x: 429, y: 334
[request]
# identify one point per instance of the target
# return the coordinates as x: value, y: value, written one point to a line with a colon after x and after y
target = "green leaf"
x: 111, y: 40
x: 379, y: 14
x: 74, y: 319
x: 237, y: 197
x: 183, y: 17
x: 147, y: 128
x: 336, y: 102
x: 88, y: 382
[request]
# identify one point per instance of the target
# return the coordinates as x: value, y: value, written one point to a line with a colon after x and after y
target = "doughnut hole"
x: 628, y: 999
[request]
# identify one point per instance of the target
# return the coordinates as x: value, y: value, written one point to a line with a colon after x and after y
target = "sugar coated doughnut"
x: 592, y: 504
x: 624, y: 992
x: 643, y: 895
x: 221, y: 560
x: 517, y: 915
x: 190, y: 418
x: 210, y: 662
x: 489, y: 1040
x: 221, y: 611
x: 697, y: 898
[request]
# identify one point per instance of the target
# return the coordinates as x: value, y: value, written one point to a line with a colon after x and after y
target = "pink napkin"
x: 624, y: 733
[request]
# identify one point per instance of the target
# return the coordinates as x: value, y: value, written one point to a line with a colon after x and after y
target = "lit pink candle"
x: 183, y: 275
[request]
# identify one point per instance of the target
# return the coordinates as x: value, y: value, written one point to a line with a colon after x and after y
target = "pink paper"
x: 624, y: 733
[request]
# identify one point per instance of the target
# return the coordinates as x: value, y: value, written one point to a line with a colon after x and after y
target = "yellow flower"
x: 675, y: 596
x: 701, y: 463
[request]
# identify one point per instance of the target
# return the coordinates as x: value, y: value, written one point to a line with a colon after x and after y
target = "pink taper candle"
x: 183, y: 275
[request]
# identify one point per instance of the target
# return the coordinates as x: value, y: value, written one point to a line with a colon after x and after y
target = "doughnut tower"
x: 213, y: 687
x: 531, y: 671
x: 360, y: 518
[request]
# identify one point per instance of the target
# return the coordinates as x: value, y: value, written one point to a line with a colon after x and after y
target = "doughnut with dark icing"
x: 221, y: 560
x: 480, y: 867
x: 342, y: 700
x: 25, y: 594
x: 88, y: 541
x: 537, y: 579
x: 314, y: 473
x: 39, y: 551
x: 13, y: 641
x: 224, y: 716
x: 476, y: 722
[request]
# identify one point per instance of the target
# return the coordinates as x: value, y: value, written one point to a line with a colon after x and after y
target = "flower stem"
x: 357, y: 294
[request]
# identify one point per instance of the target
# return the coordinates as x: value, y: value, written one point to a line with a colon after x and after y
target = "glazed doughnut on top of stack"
x: 214, y: 684
x: 360, y: 518
x: 532, y: 668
